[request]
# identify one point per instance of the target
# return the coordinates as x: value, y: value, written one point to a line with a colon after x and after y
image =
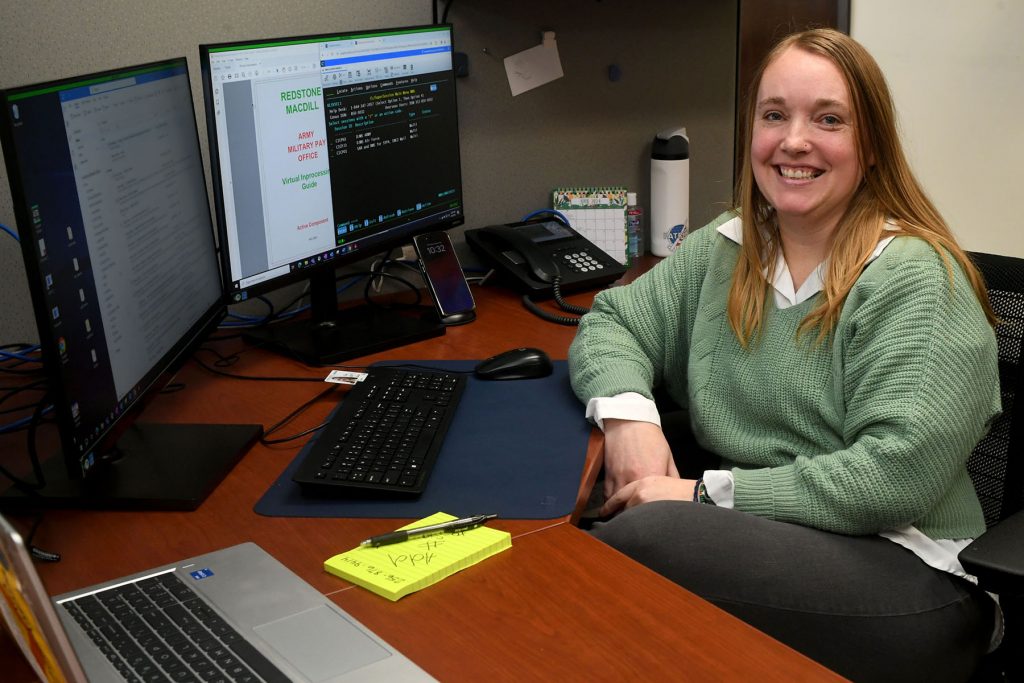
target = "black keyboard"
x: 386, y: 434
x: 159, y: 629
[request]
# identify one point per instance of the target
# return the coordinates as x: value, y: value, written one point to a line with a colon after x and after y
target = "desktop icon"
x: 48, y: 279
x: 62, y: 345
x: 55, y: 311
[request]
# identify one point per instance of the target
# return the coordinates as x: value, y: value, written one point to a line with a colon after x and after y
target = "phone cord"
x: 562, y: 303
x: 556, y: 287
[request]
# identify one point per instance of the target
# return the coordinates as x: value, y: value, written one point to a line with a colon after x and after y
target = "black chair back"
x: 996, y: 465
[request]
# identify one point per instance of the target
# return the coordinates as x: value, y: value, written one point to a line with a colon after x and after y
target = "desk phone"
x: 531, y: 254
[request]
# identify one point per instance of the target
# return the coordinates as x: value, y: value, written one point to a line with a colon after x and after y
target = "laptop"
x: 249, y: 616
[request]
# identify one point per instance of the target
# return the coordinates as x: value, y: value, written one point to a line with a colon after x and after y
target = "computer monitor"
x: 114, y: 222
x: 326, y: 150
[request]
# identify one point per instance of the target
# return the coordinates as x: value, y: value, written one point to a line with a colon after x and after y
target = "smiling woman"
x: 833, y: 349
x: 804, y: 151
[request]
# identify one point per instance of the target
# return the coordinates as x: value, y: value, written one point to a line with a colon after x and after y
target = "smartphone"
x: 443, y: 273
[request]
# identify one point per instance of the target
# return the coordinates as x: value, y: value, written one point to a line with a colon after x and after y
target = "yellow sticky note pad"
x: 396, y: 570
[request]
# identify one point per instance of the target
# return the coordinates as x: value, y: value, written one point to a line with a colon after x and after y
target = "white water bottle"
x: 670, y: 190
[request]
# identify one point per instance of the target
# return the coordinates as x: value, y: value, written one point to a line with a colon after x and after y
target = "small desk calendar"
x: 597, y: 213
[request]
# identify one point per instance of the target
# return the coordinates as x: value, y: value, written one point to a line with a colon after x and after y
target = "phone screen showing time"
x: 443, y: 273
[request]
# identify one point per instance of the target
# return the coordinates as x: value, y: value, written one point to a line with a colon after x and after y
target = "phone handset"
x: 538, y: 261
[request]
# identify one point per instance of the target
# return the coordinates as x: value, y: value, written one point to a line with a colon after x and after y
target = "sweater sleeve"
x: 915, y: 366
x: 633, y: 333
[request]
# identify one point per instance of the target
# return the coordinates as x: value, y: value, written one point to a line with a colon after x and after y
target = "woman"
x: 833, y: 346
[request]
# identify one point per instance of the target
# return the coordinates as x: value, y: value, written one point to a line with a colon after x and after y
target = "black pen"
x: 443, y: 527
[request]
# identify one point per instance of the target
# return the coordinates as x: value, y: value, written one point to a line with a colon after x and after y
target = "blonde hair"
x: 888, y: 191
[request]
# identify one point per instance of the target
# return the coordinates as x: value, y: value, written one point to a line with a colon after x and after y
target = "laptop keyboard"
x: 159, y: 629
x: 386, y: 434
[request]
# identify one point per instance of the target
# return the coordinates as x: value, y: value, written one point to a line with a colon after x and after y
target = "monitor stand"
x: 164, y: 466
x: 331, y: 335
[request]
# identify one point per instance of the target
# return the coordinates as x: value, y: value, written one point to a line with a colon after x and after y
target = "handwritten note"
x: 394, y: 571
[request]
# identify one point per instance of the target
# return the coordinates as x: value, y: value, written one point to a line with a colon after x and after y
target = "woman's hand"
x: 634, y: 450
x: 646, y: 490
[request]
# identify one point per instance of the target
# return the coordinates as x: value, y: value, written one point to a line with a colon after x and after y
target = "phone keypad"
x: 581, y: 262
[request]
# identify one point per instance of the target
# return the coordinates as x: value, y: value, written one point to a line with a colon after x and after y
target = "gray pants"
x: 863, y: 606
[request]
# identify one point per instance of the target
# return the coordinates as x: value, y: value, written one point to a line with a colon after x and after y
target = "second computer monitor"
x: 326, y: 150
x: 110, y: 197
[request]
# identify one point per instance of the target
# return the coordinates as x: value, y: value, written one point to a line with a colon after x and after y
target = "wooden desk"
x: 558, y: 606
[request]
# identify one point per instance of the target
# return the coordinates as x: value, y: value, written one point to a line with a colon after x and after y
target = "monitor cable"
x: 28, y: 487
x: 290, y: 416
x: 14, y: 356
x: 229, y: 360
x: 375, y: 274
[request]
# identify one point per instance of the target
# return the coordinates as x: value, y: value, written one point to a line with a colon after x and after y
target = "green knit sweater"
x: 866, y: 432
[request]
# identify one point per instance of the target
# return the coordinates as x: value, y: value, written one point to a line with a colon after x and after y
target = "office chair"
x: 997, y: 468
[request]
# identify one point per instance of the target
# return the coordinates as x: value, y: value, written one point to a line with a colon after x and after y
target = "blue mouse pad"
x: 515, y: 448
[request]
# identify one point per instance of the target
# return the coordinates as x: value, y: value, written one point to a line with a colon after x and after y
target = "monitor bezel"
x: 373, y: 245
x: 78, y: 465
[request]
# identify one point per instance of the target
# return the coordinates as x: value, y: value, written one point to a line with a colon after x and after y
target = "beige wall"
x: 956, y: 70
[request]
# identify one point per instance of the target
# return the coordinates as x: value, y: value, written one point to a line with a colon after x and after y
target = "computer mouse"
x: 521, y: 363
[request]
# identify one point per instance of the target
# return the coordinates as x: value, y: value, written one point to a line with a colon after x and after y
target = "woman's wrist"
x: 700, y: 493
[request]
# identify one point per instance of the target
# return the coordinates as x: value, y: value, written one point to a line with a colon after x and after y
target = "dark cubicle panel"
x: 761, y: 23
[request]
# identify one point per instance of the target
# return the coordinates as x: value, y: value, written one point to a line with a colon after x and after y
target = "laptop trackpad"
x: 321, y: 643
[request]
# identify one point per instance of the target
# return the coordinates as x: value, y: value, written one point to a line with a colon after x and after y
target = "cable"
x: 38, y: 385
x: 253, y: 318
x: 28, y: 487
x: 553, y: 212
x: 284, y: 313
x: 556, y: 288
x: 35, y: 551
x: 290, y: 416
x: 385, y: 364
x: 15, y: 355
x: 414, y: 288
x: 17, y: 409
x: 10, y: 232
x: 25, y: 422
x: 258, y: 378
x: 544, y: 315
x: 444, y: 15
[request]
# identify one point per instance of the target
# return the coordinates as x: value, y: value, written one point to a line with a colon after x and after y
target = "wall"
x: 956, y: 70
x: 677, y: 61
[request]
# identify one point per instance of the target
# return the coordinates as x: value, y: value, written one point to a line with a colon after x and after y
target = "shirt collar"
x: 785, y: 294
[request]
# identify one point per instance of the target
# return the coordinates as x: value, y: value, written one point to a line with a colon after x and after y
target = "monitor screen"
x: 329, y: 149
x: 114, y: 222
